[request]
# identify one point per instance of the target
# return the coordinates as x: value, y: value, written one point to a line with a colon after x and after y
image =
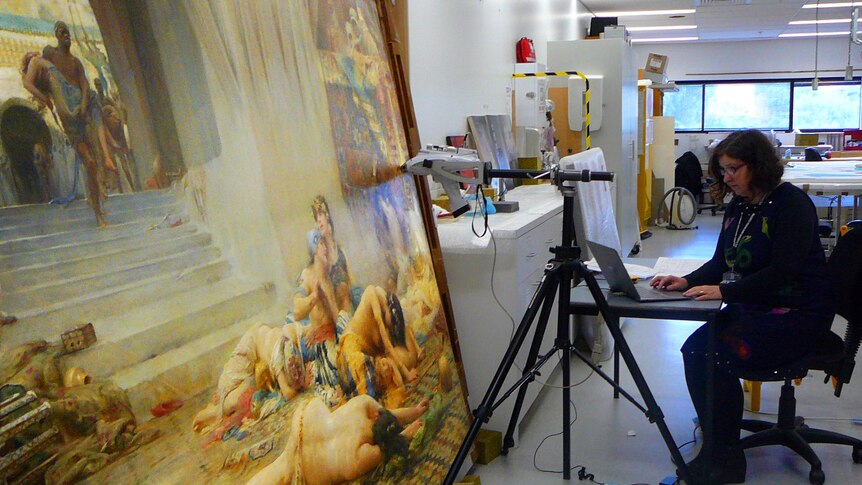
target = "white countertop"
x: 537, y: 203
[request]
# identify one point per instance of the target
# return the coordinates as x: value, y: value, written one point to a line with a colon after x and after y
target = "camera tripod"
x: 564, y: 269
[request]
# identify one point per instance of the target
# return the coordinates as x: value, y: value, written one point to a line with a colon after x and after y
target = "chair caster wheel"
x: 816, y: 476
x: 857, y: 454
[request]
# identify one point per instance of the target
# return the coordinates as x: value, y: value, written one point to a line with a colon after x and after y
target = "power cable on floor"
x: 582, y: 472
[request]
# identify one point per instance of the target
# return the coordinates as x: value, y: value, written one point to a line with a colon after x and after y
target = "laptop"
x: 619, y: 280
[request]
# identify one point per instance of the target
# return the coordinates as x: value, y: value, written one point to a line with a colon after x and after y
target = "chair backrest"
x: 812, y: 155
x: 845, y: 263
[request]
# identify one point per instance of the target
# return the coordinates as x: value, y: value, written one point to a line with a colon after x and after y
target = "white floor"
x: 615, y: 441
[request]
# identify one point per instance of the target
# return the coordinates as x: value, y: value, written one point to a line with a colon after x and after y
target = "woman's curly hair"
x: 755, y: 150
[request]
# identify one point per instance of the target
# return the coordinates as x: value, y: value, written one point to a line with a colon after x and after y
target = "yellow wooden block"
x: 529, y: 163
x: 754, y: 388
x: 442, y: 201
x: 488, y: 443
x: 490, y: 192
x: 755, y: 396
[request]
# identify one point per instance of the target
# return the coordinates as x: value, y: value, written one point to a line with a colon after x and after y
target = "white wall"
x: 780, y: 58
x: 462, y: 55
x: 705, y: 61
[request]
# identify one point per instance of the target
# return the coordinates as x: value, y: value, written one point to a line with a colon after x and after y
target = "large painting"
x: 213, y: 269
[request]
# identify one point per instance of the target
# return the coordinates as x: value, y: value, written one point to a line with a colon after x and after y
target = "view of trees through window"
x: 833, y: 106
x: 746, y: 105
x: 686, y: 106
x: 764, y: 105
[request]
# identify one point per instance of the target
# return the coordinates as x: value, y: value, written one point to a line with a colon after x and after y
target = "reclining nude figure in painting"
x: 278, y: 349
x: 377, y: 352
x: 326, y: 447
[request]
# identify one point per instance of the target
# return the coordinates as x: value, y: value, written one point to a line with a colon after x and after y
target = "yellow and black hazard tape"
x: 567, y: 73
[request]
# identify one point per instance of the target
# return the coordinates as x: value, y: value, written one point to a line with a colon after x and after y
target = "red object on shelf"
x: 456, y: 141
x: 525, y: 51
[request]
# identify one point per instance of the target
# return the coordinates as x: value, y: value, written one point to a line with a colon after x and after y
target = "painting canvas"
x: 212, y: 266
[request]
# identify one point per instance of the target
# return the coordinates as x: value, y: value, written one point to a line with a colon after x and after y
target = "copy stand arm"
x: 559, y: 274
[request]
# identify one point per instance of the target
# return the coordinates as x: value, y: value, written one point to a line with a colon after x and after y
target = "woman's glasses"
x: 730, y: 170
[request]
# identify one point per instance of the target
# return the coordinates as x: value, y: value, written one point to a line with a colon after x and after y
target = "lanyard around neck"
x: 738, y: 235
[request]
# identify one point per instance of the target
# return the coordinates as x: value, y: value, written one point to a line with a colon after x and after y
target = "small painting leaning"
x: 224, y: 277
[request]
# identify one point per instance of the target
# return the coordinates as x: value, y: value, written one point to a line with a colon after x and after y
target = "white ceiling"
x: 723, y: 20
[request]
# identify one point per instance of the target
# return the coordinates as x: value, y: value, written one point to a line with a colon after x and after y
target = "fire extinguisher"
x: 524, y: 50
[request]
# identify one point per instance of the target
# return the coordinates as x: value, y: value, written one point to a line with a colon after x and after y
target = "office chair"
x: 834, y: 356
x: 812, y: 155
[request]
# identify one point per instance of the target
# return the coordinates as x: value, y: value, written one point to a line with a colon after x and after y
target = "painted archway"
x: 26, y: 141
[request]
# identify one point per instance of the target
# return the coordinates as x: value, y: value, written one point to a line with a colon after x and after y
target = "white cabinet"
x: 531, y: 94
x: 484, y: 330
x: 612, y: 59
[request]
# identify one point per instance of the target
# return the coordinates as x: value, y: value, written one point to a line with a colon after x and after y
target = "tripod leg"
x: 508, y: 440
x: 617, y: 367
x: 564, y: 342
x: 483, y: 412
x: 654, y: 413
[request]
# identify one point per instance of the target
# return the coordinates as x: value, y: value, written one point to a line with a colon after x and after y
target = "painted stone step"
x: 62, y: 225
x: 138, y: 335
x: 36, y: 243
x: 55, y: 318
x: 22, y: 299
x: 185, y: 371
x: 15, y: 215
x: 76, y: 251
x: 96, y: 263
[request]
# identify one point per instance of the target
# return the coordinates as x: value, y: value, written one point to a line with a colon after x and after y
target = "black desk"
x: 582, y: 303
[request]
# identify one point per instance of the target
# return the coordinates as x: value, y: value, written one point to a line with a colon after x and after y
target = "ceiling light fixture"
x: 642, y: 13
x: 664, y: 27
x: 815, y: 22
x: 664, y: 39
x: 812, y: 34
x: 829, y: 5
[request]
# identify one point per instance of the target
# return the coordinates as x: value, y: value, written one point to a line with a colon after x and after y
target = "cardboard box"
x: 656, y: 63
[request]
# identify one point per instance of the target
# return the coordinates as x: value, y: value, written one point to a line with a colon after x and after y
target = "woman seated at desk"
x: 770, y: 269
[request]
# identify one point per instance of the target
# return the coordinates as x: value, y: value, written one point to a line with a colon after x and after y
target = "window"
x: 764, y: 105
x: 686, y: 106
x: 832, y: 106
x: 732, y: 106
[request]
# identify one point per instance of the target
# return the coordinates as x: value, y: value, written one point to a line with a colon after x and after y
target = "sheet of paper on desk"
x: 677, y: 266
x: 641, y: 272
